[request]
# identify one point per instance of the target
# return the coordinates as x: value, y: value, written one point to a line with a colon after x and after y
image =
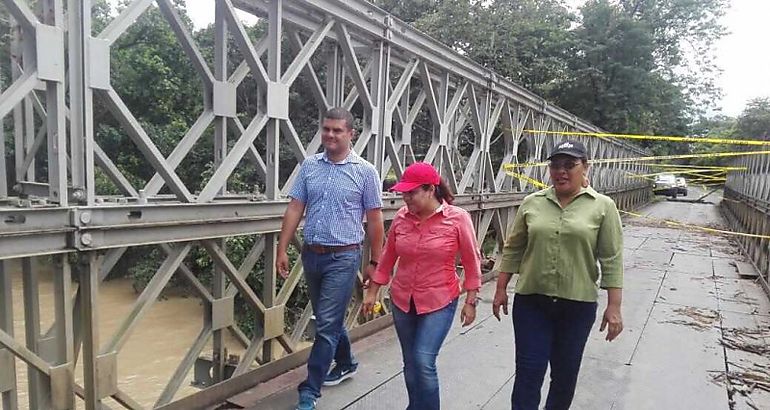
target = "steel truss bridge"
x: 344, y: 53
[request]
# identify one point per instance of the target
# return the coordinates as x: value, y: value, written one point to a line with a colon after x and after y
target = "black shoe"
x: 340, y: 373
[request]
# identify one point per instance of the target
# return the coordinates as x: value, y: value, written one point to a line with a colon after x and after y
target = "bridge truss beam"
x: 417, y: 99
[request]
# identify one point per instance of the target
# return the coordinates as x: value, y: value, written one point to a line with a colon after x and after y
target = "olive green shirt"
x: 555, y: 251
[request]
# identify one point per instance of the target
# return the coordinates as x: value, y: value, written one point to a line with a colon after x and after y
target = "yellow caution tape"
x: 719, y: 177
x: 707, y: 140
x: 526, y: 178
x: 650, y: 158
x: 540, y: 184
x: 696, y: 172
x: 698, y: 167
x: 696, y: 227
x: 633, y: 175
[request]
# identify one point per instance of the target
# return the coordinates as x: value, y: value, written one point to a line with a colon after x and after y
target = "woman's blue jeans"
x: 553, y: 331
x: 421, y: 337
x: 330, y: 279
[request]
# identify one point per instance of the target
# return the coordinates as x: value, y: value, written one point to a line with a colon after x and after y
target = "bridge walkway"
x: 683, y: 298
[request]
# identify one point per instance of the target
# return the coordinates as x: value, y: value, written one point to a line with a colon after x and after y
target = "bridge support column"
x: 89, y: 297
x: 7, y: 362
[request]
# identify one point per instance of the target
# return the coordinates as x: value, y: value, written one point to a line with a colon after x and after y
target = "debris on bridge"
x: 700, y: 319
x: 745, y: 381
x: 748, y: 340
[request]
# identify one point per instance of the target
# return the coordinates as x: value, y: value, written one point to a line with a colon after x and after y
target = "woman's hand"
x: 500, y: 300
x: 370, y: 298
x: 612, y: 321
x: 468, y: 314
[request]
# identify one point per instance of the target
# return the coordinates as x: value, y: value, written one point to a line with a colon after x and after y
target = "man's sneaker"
x: 340, y: 373
x: 306, y: 403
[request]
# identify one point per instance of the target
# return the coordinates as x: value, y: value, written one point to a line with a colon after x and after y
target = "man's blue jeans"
x: 421, y: 337
x: 330, y: 278
x: 548, y: 330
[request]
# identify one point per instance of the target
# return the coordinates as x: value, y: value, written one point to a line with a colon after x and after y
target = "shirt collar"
x: 550, y: 193
x: 351, y: 158
x: 443, y: 209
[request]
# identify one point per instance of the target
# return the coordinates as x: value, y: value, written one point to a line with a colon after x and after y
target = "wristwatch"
x: 373, y: 263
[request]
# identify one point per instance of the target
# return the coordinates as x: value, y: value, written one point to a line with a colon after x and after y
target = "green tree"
x: 408, y: 10
x: 684, y: 33
x: 718, y: 126
x: 525, y: 41
x: 754, y: 121
x: 642, y: 66
x: 632, y: 72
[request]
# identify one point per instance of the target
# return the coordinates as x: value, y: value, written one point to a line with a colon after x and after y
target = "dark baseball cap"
x: 572, y: 148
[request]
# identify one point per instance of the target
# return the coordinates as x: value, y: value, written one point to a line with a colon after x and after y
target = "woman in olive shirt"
x: 559, y: 234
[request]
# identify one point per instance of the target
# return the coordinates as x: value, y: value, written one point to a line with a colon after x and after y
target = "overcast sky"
x: 746, y: 63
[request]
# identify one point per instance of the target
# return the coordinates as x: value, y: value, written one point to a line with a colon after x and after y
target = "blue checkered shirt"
x: 336, y: 195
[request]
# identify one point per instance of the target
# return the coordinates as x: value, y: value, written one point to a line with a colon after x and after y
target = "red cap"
x: 419, y: 173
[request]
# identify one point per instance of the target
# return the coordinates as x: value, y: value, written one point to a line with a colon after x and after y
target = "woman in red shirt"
x: 425, y: 237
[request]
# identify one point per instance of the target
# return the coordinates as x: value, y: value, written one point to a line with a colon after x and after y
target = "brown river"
x: 153, y: 351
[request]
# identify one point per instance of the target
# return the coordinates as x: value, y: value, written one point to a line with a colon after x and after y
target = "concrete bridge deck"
x: 694, y: 336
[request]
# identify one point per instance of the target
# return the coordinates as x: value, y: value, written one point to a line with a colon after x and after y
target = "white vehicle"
x: 681, y: 186
x: 665, y: 184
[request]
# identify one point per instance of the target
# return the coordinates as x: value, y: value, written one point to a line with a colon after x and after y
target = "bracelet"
x: 473, y: 302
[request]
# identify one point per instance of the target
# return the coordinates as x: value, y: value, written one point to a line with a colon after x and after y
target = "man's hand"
x: 612, y: 321
x: 368, y: 273
x: 282, y: 264
x: 500, y: 300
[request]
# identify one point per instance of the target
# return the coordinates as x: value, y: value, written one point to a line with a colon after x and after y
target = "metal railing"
x: 746, y: 206
x: 346, y: 53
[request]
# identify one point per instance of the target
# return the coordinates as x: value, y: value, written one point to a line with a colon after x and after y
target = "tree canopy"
x: 630, y: 66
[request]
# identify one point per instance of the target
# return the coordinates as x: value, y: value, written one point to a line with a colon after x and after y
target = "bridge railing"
x: 418, y: 100
x: 746, y: 205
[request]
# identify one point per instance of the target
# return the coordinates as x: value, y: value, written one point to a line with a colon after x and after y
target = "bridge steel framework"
x: 368, y: 60
x: 746, y: 206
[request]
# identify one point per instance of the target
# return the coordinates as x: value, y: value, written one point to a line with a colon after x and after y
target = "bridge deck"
x: 683, y: 297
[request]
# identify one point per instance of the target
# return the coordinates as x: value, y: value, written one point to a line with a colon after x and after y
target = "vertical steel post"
x: 9, y: 398
x: 81, y: 98
x: 220, y: 151
x: 56, y: 122
x: 18, y: 110
x: 29, y: 62
x: 3, y: 167
x: 439, y: 135
x: 76, y: 94
x: 405, y: 130
x: 30, y: 284
x: 272, y: 156
x: 89, y: 296
x: 335, y: 77
x: 484, y: 140
x: 380, y: 92
x: 63, y: 327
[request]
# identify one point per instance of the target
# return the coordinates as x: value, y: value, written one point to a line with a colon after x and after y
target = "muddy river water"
x: 154, y: 349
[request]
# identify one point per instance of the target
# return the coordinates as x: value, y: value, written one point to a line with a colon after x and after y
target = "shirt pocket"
x: 407, y: 240
x: 351, y: 204
x: 442, y: 238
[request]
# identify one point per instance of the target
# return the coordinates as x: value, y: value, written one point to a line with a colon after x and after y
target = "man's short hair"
x: 338, y: 113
